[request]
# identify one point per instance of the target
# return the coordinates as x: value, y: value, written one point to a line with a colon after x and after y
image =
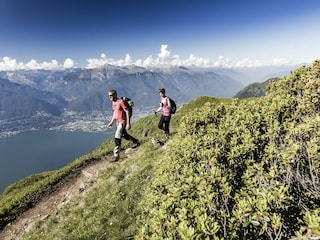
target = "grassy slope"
x: 25, y: 193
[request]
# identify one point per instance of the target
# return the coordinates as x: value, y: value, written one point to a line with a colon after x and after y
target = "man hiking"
x: 122, y: 116
x: 165, y: 107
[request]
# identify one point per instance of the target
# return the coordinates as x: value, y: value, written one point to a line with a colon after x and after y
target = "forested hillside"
x: 234, y: 169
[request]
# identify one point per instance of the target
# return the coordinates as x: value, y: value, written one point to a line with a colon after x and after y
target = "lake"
x: 38, y: 151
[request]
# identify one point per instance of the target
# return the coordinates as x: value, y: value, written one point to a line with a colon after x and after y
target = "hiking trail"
x: 75, y: 184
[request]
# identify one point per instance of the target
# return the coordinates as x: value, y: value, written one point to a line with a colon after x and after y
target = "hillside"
x: 75, y: 185
x: 255, y: 89
x: 16, y: 99
x: 242, y: 169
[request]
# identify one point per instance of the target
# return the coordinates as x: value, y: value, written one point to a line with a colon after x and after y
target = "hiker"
x: 122, y: 116
x: 165, y: 107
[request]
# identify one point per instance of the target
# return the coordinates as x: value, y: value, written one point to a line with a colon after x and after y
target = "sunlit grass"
x: 136, y: 169
x: 110, y: 208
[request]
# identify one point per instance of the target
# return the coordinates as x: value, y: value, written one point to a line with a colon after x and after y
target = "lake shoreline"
x: 37, y: 151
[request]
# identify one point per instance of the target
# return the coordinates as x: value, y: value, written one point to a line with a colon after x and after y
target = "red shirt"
x: 118, y: 107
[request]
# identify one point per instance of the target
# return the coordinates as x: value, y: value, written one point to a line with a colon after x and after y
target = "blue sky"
x: 87, y: 33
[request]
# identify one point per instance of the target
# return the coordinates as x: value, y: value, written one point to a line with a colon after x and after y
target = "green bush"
x: 244, y: 169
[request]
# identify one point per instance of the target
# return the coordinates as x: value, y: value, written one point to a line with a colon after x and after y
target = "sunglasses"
x: 111, y: 95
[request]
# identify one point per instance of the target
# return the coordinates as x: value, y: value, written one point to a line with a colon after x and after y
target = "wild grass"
x: 112, y: 203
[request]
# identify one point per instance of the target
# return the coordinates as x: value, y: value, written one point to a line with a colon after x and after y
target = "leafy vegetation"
x: 234, y: 169
x: 247, y: 169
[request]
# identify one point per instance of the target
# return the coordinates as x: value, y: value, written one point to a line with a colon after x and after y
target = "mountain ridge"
x: 79, y: 95
x: 183, y: 83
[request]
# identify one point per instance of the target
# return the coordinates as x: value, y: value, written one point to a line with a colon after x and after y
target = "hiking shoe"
x: 167, y: 136
x: 134, y: 145
x: 114, y: 158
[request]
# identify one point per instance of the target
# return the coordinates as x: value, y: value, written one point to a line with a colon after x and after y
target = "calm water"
x: 38, y: 151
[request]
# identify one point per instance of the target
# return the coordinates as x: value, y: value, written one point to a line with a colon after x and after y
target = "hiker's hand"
x: 155, y: 112
x: 110, y: 124
x: 128, y: 126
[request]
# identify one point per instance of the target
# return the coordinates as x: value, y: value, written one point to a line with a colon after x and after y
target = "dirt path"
x: 72, y: 186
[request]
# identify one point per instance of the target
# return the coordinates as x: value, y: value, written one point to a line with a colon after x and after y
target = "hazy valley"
x: 75, y: 99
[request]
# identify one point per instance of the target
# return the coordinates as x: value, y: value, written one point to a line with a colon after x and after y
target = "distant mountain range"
x: 83, y: 92
x: 17, y: 99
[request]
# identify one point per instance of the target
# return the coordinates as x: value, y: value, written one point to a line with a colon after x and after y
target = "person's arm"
x: 128, y: 118
x: 159, y: 109
x: 112, y: 120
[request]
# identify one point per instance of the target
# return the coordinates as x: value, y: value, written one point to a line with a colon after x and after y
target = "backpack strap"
x: 119, y: 103
x: 167, y: 100
x: 120, y: 107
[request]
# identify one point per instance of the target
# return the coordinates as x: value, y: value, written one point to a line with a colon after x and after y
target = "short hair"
x: 113, y: 92
x: 162, y: 90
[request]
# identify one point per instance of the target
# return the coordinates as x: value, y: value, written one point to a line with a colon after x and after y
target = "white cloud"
x: 164, y: 52
x: 68, y: 63
x: 94, y: 63
x: 9, y: 64
x: 163, y: 57
x: 148, y: 61
x: 128, y: 59
x: 222, y: 61
x: 280, y: 61
x: 33, y: 64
